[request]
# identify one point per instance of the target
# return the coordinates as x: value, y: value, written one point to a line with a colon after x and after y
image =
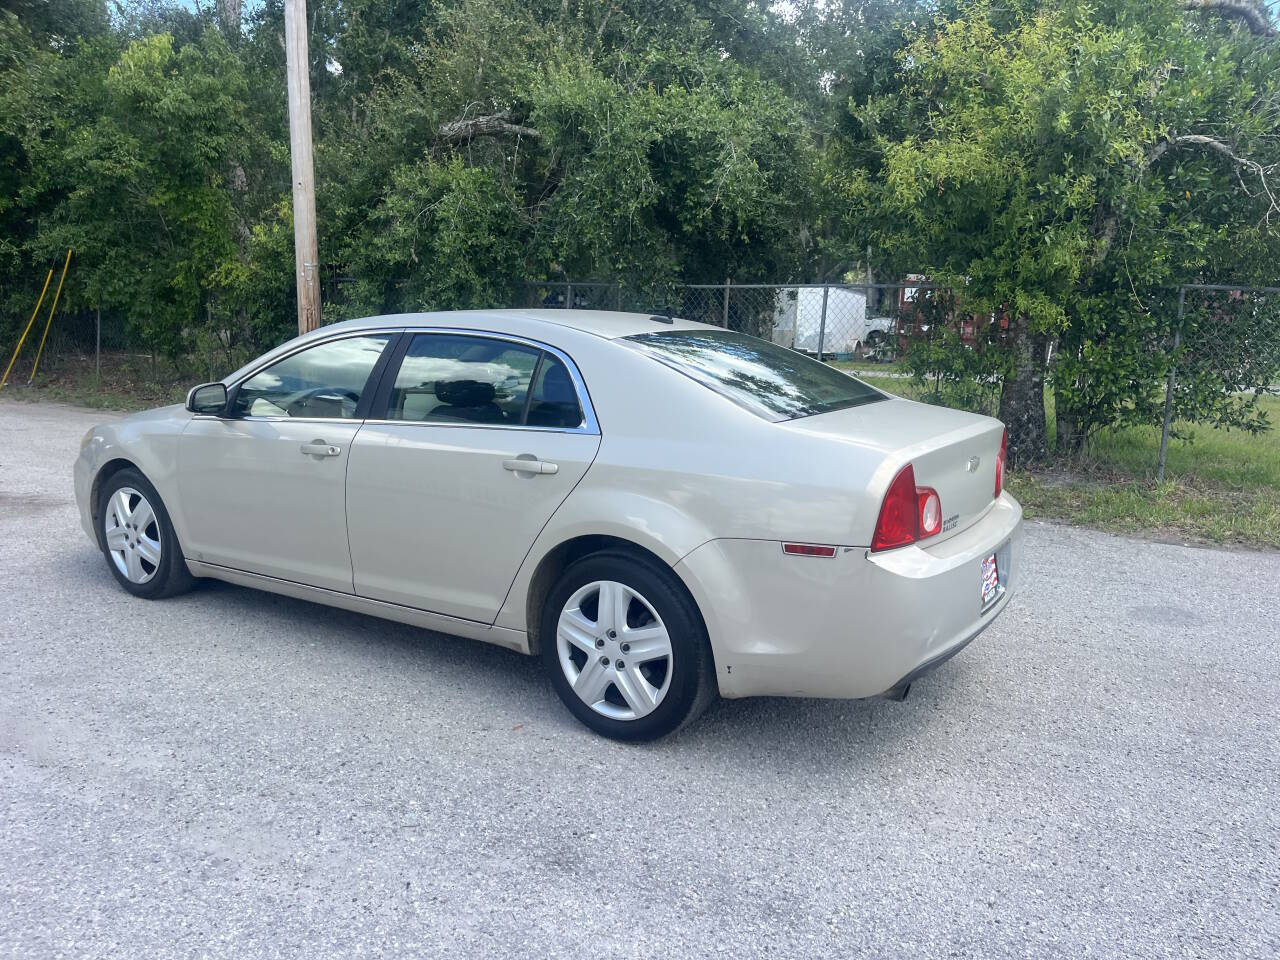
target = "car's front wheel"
x: 137, y: 538
x: 625, y: 647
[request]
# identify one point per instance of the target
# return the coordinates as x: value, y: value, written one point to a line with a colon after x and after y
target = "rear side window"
x: 450, y: 378
x: 462, y: 378
x: 773, y: 382
x: 555, y: 399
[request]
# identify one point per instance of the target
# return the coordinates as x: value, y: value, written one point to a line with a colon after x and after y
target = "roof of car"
x: 609, y: 324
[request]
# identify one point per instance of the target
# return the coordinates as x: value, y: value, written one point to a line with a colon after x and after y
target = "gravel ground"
x: 235, y: 774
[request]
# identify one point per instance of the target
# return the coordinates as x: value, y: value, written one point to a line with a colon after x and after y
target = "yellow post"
x: 23, y: 338
x: 48, y: 323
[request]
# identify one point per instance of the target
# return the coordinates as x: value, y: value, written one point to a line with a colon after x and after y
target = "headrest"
x: 464, y: 393
x: 557, y: 386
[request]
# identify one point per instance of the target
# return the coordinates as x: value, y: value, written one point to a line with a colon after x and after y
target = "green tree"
x: 46, y: 56
x: 142, y: 159
x: 608, y: 140
x: 1069, y: 166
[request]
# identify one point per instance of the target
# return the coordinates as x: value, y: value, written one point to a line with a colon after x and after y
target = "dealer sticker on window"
x: 990, y: 580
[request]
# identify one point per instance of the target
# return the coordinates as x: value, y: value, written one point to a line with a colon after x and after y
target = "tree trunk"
x: 1022, y: 395
x: 498, y: 124
x: 229, y: 14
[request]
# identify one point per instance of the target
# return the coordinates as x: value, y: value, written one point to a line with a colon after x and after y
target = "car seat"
x: 467, y: 400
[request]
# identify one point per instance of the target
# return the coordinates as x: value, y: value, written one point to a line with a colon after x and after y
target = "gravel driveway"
x: 235, y: 774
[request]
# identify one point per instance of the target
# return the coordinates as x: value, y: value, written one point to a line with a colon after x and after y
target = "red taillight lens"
x: 899, y: 514
x: 909, y: 513
x: 1000, y: 459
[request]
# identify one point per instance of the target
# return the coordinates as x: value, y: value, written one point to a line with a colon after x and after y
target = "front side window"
x: 773, y: 382
x: 324, y: 381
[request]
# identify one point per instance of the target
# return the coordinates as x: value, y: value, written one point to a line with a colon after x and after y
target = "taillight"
x: 930, y: 511
x: 1000, y: 459
x: 908, y: 513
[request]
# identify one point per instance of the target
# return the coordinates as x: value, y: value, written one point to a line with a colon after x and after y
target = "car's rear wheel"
x: 625, y: 647
x: 137, y: 538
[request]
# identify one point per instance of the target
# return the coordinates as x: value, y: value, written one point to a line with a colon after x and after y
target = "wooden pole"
x: 306, y: 255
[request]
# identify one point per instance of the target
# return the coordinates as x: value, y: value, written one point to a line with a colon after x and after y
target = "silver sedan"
x: 662, y: 510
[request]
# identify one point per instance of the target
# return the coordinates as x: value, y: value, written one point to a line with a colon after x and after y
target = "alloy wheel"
x: 132, y: 534
x: 614, y: 650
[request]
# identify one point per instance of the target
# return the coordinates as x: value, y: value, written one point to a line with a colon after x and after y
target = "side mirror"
x: 209, y: 398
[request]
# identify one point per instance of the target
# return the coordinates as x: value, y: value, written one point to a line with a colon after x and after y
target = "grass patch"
x: 900, y: 385
x: 860, y: 367
x: 1221, y: 486
x: 1176, y: 511
x: 128, y: 382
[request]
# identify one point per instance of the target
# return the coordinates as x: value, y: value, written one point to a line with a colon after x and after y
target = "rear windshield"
x: 773, y: 382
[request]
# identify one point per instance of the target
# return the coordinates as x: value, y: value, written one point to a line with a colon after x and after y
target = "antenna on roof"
x: 669, y: 318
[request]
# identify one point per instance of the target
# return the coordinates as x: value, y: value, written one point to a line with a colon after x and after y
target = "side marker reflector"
x: 809, y: 549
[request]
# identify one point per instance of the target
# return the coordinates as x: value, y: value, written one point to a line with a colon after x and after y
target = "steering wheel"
x: 300, y: 406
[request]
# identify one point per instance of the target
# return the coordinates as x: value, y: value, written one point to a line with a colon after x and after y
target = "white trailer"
x: 798, y: 321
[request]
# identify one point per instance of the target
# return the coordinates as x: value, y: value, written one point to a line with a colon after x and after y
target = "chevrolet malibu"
x: 662, y: 510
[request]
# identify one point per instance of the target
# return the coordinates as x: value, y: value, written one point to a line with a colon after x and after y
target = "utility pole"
x: 305, y: 252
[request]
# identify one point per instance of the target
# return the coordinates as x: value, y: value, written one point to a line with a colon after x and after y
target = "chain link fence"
x: 835, y: 322
x: 904, y: 336
x: 568, y: 294
x: 103, y: 345
x: 907, y: 337
x: 78, y: 338
x: 1226, y: 357
x: 871, y: 329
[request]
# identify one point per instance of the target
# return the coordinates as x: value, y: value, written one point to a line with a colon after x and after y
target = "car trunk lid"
x: 951, y: 451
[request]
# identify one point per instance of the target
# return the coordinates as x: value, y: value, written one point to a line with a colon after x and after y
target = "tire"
x: 631, y: 690
x: 132, y: 517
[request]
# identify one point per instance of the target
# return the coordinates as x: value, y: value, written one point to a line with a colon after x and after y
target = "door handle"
x: 318, y: 448
x: 529, y: 465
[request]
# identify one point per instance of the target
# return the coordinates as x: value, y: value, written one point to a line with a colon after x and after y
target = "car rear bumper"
x: 855, y: 625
